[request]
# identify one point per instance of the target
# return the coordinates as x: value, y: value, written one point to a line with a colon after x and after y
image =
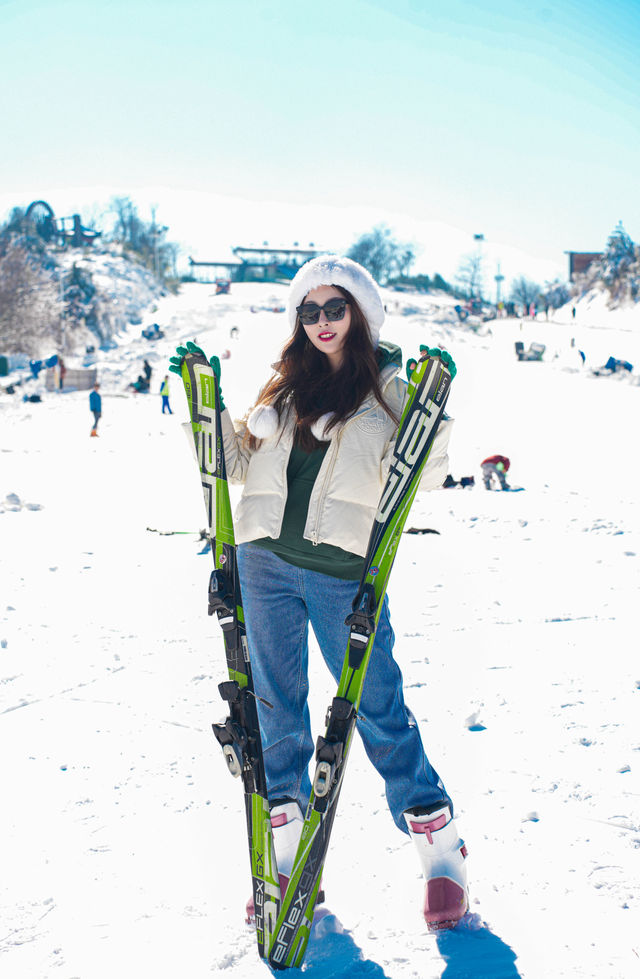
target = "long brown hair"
x: 305, y: 379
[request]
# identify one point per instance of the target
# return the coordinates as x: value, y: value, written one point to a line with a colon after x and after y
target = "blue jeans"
x: 489, y: 470
x: 279, y: 602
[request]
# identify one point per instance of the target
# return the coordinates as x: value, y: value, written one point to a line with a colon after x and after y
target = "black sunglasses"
x: 334, y: 310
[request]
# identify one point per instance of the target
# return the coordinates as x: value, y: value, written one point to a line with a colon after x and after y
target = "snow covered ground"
x: 122, y: 839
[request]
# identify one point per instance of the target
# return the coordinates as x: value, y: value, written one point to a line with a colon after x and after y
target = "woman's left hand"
x: 444, y: 356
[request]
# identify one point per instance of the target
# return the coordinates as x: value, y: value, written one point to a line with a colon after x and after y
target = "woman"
x: 313, y: 455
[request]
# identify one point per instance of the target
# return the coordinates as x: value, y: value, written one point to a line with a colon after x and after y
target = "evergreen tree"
x: 618, y: 255
x: 618, y: 271
x: 440, y: 283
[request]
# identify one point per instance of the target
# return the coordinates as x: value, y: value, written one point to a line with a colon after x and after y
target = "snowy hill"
x: 122, y: 838
x: 124, y: 289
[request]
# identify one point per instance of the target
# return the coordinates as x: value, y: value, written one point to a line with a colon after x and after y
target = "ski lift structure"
x: 40, y: 220
x: 249, y: 264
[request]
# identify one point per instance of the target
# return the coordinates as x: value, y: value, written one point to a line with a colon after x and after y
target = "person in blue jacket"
x: 95, y: 405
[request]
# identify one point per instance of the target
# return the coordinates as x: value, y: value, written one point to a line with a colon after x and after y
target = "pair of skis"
x: 283, y: 923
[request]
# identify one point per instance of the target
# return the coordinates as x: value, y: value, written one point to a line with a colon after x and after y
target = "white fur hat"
x: 332, y: 270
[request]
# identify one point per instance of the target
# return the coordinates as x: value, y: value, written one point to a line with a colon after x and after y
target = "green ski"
x: 239, y: 735
x: 428, y: 391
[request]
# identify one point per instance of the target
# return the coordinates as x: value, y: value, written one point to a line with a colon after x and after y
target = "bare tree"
x: 93, y: 215
x: 525, y: 291
x: 146, y: 239
x: 382, y: 254
x: 128, y: 226
x: 469, y: 275
x: 30, y: 306
x: 170, y: 252
x: 556, y: 294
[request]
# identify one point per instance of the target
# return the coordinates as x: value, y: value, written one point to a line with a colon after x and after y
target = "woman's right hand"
x: 175, y: 364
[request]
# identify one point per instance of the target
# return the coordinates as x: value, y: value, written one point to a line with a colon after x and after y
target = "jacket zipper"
x: 365, y: 406
x: 284, y: 483
x: 322, y: 494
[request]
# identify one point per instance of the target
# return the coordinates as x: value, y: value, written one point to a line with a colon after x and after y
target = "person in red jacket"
x: 495, y: 466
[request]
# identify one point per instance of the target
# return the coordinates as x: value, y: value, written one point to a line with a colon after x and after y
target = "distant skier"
x: 313, y: 455
x: 495, y: 466
x: 164, y: 391
x: 146, y: 367
x: 95, y: 405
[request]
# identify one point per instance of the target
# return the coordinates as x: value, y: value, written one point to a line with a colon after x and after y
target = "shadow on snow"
x: 333, y: 954
x: 472, y: 951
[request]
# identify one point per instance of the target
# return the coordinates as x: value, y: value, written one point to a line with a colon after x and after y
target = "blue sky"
x: 517, y: 120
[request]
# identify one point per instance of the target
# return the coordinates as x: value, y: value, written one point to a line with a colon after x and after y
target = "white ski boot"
x: 286, y: 823
x: 443, y: 858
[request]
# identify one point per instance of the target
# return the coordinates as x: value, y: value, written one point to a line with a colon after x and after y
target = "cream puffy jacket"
x: 345, y: 496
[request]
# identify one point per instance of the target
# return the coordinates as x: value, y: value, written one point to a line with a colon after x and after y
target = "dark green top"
x: 302, y: 472
x: 291, y: 545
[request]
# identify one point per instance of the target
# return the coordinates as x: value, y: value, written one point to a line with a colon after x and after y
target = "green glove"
x: 444, y: 356
x: 175, y: 364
